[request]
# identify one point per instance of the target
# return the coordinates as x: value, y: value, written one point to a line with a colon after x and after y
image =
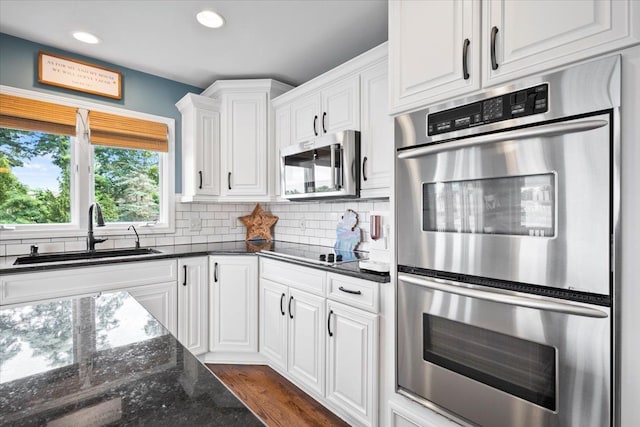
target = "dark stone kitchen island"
x: 104, y: 361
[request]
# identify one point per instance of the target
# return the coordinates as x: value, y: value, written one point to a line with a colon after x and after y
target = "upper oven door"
x: 530, y: 205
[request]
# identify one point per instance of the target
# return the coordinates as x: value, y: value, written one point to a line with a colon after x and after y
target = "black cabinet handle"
x: 329, y: 323
x: 215, y: 272
x: 465, y: 65
x: 290, y: 315
x: 494, y: 62
x: 184, y: 283
x: 200, y: 173
x: 324, y: 116
x: 364, y: 170
x: 281, y: 301
x: 349, y: 291
x: 315, y: 120
x: 229, y: 180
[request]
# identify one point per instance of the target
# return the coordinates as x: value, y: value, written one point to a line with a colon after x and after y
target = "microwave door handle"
x: 532, y: 132
x: 333, y: 166
x: 541, y: 303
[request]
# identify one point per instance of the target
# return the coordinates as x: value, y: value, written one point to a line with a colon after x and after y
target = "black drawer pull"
x: 465, y: 65
x: 281, y: 301
x: 200, y: 173
x: 494, y: 61
x: 364, y: 170
x: 229, y: 180
x: 215, y: 272
x: 349, y: 291
x: 184, y: 283
x: 290, y: 315
x: 329, y: 323
x: 324, y: 116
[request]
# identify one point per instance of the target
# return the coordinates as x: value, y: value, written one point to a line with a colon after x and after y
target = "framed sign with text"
x: 77, y: 75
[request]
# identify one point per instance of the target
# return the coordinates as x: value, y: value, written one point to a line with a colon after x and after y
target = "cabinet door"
x: 207, y: 173
x: 352, y: 363
x: 340, y: 106
x: 160, y: 301
x: 538, y: 35
x: 234, y: 304
x: 307, y: 331
x: 274, y: 321
x: 377, y: 144
x: 245, y: 144
x: 306, y: 118
x: 193, y: 303
x: 283, y: 139
x: 426, y: 44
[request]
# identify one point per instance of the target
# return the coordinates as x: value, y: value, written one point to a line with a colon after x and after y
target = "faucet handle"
x: 33, y: 251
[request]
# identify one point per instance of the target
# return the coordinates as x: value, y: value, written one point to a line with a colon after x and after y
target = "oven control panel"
x: 521, y: 103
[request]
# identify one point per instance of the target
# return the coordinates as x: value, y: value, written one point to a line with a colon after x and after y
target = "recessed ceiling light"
x: 210, y: 19
x: 86, y: 37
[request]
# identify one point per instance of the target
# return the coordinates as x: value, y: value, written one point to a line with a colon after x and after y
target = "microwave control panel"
x: 521, y: 103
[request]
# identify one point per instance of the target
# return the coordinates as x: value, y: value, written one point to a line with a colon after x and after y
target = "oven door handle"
x: 541, y: 303
x: 554, y: 129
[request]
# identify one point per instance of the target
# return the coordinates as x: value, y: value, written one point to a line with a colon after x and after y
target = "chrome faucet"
x: 91, y: 241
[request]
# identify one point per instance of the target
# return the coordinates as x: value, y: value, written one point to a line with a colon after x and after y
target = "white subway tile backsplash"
x: 220, y: 223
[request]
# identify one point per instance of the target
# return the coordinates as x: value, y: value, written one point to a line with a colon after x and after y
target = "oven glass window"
x: 519, y: 367
x: 515, y: 205
x: 314, y: 171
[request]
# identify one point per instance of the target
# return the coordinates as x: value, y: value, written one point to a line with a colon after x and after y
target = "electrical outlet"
x: 195, y: 224
x: 303, y: 225
x: 233, y: 223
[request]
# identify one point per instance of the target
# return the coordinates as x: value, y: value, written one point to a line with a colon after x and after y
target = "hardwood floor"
x: 273, y: 398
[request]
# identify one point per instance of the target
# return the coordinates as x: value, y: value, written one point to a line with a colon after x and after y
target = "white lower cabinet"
x: 352, y: 361
x: 160, y: 301
x: 292, y: 334
x: 305, y: 361
x: 193, y: 303
x: 328, y: 347
x: 293, y: 322
x: 274, y: 322
x: 233, y: 304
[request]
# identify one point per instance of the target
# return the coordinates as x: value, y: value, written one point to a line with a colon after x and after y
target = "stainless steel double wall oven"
x: 507, y: 213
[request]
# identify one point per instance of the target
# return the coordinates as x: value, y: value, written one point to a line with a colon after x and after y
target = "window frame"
x: 82, y: 178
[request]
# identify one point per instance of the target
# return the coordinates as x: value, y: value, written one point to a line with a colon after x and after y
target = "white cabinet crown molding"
x: 355, y: 65
x: 273, y: 87
x: 192, y: 100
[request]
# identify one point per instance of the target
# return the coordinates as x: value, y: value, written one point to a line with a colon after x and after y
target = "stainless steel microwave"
x: 325, y: 167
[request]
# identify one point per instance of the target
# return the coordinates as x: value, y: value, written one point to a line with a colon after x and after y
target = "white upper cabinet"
x: 200, y: 147
x: 282, y: 139
x: 377, y: 144
x: 227, y: 133
x: 427, y: 41
x: 340, y: 106
x: 306, y: 114
x: 245, y: 150
x: 334, y: 108
x: 434, y: 51
x: 526, y: 37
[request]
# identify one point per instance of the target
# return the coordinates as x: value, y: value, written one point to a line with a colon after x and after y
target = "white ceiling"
x: 292, y: 41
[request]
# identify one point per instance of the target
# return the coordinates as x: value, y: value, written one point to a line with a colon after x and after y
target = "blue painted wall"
x: 140, y: 91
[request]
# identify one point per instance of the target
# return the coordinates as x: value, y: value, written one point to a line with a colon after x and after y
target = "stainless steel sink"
x: 81, y: 255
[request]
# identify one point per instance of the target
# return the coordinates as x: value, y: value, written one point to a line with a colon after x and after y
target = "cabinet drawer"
x: 354, y: 292
x: 26, y: 287
x: 295, y: 276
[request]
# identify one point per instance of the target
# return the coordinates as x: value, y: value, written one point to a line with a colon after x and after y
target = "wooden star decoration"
x: 259, y: 224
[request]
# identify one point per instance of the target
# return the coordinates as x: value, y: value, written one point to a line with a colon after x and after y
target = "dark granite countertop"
x: 178, y: 251
x: 104, y: 361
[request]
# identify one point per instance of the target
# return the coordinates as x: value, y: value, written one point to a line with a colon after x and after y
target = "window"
x: 56, y: 159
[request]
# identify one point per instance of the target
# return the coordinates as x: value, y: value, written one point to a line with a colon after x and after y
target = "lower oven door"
x: 497, y: 358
